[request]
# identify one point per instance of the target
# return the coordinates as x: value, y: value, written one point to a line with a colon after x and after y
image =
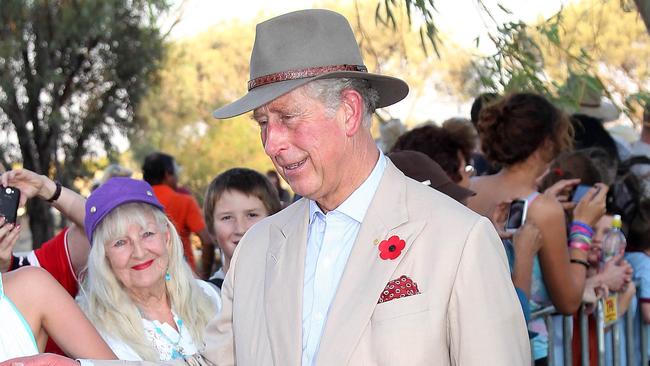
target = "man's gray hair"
x: 329, y: 92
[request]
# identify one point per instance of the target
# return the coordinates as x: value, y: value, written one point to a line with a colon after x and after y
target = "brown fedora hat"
x: 293, y: 49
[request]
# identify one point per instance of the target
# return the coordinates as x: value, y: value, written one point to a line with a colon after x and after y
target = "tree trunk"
x: 644, y: 10
x: 41, y: 222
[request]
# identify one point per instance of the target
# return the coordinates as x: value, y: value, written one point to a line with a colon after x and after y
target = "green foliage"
x: 385, y: 13
x: 604, y: 40
x: 198, y: 75
x: 72, y: 74
x: 596, y: 40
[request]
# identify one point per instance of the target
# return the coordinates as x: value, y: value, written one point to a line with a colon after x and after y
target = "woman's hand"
x: 561, y: 191
x: 592, y: 206
x: 44, y: 359
x: 29, y: 183
x: 527, y: 240
x: 499, y: 218
x: 8, y: 238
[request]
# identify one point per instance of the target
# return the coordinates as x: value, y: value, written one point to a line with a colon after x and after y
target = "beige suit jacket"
x: 466, y: 314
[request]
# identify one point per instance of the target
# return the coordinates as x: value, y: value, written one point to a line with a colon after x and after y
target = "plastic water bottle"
x: 614, y: 241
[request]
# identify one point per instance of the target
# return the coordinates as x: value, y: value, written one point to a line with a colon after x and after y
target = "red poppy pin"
x: 391, y: 248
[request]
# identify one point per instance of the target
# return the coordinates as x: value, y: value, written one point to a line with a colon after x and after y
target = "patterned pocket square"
x: 398, y: 288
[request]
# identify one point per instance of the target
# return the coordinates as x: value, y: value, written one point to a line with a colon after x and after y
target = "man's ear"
x: 352, y: 104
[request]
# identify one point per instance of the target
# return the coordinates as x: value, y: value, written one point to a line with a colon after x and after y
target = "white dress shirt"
x: 330, y: 240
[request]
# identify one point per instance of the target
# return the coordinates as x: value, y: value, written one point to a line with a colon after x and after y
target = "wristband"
x: 582, y: 225
x: 579, y: 245
x: 580, y: 261
x: 580, y: 237
x: 57, y: 192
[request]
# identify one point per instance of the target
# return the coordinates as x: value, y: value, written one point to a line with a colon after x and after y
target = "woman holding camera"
x: 523, y: 133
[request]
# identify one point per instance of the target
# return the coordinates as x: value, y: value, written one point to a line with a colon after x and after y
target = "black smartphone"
x: 9, y: 200
x: 580, y: 192
x: 516, y: 215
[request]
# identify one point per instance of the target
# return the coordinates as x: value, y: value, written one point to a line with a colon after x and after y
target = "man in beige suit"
x: 370, y: 267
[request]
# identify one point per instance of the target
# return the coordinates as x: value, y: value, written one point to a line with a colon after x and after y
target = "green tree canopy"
x: 72, y: 74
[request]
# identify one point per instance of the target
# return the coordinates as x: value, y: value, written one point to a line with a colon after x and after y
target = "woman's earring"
x: 168, y: 277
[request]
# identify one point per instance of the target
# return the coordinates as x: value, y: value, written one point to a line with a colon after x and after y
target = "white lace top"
x: 169, y: 343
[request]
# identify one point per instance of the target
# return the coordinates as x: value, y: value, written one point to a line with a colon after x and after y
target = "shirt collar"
x: 357, y: 204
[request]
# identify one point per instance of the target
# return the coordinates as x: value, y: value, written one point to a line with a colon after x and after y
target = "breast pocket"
x: 398, y: 308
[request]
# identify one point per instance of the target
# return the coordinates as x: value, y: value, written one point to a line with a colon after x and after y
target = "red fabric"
x: 185, y: 213
x: 593, y: 341
x: 53, y: 257
x: 399, y: 288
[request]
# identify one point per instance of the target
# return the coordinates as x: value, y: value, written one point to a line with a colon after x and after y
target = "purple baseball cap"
x: 115, y: 192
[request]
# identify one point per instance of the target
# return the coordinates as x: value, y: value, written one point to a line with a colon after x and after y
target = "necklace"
x: 177, y: 350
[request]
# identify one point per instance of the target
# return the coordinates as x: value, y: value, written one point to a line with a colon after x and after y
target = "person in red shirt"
x: 161, y: 172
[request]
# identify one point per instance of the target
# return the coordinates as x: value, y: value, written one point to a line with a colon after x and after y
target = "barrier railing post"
x: 629, y: 338
x: 584, y: 336
x: 600, y: 332
x: 548, y: 319
x: 644, y: 337
x: 567, y: 335
x: 616, y: 343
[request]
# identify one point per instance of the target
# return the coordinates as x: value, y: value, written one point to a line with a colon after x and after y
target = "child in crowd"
x: 235, y: 200
x: 602, y: 280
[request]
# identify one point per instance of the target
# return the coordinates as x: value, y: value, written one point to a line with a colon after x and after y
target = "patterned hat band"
x: 301, y: 74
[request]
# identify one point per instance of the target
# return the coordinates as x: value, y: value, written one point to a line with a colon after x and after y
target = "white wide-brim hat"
x: 605, y: 110
x: 294, y: 49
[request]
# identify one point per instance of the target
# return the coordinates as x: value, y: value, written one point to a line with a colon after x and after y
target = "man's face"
x: 306, y: 142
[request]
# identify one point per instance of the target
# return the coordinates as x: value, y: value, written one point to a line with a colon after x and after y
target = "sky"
x: 462, y: 21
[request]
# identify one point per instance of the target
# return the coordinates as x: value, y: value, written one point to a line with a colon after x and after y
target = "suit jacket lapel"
x: 365, y: 274
x: 283, y: 287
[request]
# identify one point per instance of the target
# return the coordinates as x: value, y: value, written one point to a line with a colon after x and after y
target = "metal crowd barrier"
x: 627, y: 320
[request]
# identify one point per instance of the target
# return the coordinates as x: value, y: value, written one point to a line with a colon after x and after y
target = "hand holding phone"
x: 516, y: 215
x: 591, y: 210
x: 9, y: 199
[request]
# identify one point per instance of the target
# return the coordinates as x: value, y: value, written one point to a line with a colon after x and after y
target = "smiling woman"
x: 139, y: 292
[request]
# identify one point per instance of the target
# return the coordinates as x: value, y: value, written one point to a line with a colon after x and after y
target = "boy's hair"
x: 244, y: 180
